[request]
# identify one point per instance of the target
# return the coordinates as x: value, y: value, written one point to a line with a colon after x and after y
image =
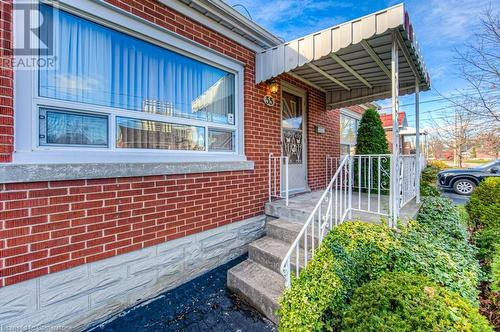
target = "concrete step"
x: 258, y: 285
x: 287, y: 231
x: 278, y: 209
x: 269, y: 252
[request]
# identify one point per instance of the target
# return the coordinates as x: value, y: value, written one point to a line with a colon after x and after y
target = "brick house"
x: 140, y: 159
x: 406, y: 134
x: 387, y: 125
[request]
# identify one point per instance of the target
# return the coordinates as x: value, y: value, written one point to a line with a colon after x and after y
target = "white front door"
x: 293, y: 137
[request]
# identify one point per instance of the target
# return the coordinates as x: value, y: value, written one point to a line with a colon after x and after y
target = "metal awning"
x: 351, y: 62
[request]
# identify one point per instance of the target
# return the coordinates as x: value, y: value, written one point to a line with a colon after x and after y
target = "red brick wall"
x: 6, y: 83
x: 50, y: 226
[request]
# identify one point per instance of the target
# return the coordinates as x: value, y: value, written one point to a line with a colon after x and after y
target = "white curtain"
x: 101, y: 66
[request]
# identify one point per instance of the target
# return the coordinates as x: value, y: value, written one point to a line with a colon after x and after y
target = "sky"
x: 440, y: 26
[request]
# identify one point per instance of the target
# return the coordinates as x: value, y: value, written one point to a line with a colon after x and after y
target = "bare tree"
x: 456, y: 131
x: 478, y: 65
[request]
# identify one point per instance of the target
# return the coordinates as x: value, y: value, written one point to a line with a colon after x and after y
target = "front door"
x: 293, y: 136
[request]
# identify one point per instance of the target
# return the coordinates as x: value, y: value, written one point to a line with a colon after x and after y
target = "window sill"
x: 12, y: 173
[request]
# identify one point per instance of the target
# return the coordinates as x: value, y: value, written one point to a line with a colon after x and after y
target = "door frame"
x: 292, y: 89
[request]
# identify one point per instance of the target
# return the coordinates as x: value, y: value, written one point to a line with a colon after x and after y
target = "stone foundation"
x: 75, y: 298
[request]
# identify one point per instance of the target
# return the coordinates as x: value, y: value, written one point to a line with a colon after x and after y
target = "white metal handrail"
x: 277, y: 189
x: 371, y: 177
x: 332, y: 164
x: 331, y: 210
x: 408, y: 179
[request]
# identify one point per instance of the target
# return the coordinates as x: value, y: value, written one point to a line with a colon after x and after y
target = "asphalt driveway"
x: 457, y: 199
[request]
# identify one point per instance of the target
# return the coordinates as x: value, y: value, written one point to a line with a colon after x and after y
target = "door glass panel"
x: 292, y: 123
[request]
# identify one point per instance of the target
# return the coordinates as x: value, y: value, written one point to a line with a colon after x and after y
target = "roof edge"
x: 242, y: 19
x: 224, y: 19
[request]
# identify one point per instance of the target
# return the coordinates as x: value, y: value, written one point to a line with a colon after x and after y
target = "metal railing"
x: 407, y: 178
x: 278, y: 180
x: 332, y: 164
x: 371, y: 183
x: 331, y: 210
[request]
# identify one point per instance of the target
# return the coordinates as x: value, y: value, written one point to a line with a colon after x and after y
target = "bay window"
x: 115, y: 91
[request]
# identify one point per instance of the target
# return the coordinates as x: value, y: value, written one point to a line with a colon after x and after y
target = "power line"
x: 445, y: 98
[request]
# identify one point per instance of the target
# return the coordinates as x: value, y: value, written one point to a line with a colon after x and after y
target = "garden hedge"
x: 436, y: 246
x: 428, y: 181
x: 407, y: 302
x: 354, y: 253
x: 484, y: 211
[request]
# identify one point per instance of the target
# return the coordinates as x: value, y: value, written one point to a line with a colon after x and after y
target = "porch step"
x: 278, y: 209
x: 258, y: 285
x: 287, y: 231
x: 269, y: 252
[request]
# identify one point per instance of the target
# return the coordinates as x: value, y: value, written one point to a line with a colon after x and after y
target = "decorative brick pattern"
x: 47, y: 227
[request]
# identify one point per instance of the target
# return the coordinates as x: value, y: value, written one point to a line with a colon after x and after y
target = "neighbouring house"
x: 406, y: 134
x: 387, y: 125
x: 135, y: 151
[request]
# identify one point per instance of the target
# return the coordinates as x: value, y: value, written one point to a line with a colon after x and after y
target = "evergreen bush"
x: 371, y: 140
x: 371, y: 135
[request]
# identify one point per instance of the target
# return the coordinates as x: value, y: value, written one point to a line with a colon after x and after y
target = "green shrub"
x: 429, y: 175
x: 307, y: 305
x: 463, y: 215
x: 449, y: 263
x: 439, y: 216
x: 407, y: 302
x: 369, y: 247
x: 427, y: 190
x: 371, y: 135
x: 484, y: 211
x: 436, y: 246
x: 486, y: 194
x: 350, y: 254
x: 495, y: 271
x: 439, y: 164
x: 487, y: 237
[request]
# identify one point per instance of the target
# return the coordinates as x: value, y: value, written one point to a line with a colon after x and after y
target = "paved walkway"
x: 203, y: 304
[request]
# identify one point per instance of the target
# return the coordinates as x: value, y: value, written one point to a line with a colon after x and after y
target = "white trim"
x: 220, y: 13
x: 27, y: 149
x: 349, y: 113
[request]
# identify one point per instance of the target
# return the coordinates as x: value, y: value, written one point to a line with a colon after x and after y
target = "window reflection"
x: 146, y: 134
x: 68, y: 128
x: 348, y: 129
x: 220, y: 140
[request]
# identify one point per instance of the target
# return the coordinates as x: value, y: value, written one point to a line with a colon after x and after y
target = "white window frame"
x: 353, y: 115
x: 27, y: 102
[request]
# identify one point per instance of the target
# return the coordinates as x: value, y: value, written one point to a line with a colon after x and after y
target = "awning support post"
x: 395, y: 195
x: 417, y: 140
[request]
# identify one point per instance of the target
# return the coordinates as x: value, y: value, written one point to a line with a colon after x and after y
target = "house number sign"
x: 269, y: 100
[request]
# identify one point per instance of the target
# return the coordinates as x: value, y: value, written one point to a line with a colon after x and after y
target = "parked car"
x: 463, y: 181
